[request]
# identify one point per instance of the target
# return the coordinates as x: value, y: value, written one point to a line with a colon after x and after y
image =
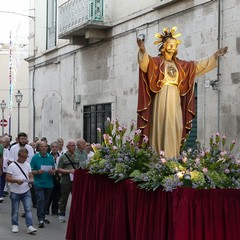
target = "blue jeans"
x: 42, y: 196
x: 27, y: 203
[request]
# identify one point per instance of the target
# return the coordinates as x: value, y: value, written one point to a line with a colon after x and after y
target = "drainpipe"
x: 215, y: 83
x: 218, y: 67
x: 33, y: 100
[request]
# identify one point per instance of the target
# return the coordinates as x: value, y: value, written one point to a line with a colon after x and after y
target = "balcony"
x: 83, y: 19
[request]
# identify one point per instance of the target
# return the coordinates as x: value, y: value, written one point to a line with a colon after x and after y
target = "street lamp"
x: 3, y: 106
x: 19, y: 98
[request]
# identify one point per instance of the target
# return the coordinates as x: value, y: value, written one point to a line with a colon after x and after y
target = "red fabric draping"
x: 104, y: 210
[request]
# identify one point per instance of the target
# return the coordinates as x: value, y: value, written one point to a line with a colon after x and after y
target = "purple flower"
x: 227, y: 171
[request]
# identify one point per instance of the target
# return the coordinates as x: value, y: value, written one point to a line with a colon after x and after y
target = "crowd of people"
x: 39, y: 175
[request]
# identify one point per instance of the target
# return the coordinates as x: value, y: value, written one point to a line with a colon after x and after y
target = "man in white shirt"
x: 22, y: 142
x: 19, y: 175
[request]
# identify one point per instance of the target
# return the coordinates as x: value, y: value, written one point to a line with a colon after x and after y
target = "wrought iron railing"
x: 75, y: 13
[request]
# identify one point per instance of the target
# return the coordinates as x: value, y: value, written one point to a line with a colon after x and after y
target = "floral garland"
x: 121, y: 156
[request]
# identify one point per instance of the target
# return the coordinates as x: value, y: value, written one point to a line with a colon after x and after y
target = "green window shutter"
x: 192, y: 137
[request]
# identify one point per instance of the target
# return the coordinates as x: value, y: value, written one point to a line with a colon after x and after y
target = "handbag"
x: 29, y: 184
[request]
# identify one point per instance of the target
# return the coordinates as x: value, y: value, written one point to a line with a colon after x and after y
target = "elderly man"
x: 43, y: 168
x: 67, y: 165
x: 56, y: 192
x: 81, y: 152
x: 19, y: 175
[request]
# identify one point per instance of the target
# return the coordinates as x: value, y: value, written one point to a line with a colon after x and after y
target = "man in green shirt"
x: 67, y: 165
x: 43, y: 168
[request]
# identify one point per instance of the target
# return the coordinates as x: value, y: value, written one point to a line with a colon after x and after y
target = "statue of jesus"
x: 166, y: 92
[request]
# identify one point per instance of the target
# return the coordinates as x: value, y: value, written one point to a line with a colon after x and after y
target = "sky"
x: 17, y: 24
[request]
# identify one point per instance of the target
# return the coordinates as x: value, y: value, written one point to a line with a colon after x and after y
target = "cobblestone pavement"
x: 53, y: 231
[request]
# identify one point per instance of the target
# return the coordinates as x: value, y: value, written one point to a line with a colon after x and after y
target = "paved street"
x: 53, y: 231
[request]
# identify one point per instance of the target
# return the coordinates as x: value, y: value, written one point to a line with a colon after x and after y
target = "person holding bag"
x: 67, y: 165
x: 19, y: 175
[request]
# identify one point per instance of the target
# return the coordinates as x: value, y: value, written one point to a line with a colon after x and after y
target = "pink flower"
x: 138, y: 132
x: 238, y: 161
x: 145, y: 139
x: 128, y: 139
x: 120, y: 129
x: 124, y: 127
x: 207, y: 150
x: 205, y: 170
x: 163, y: 160
x: 105, y: 136
x: 197, y: 161
x: 184, y: 159
x: 179, y: 174
x: 162, y: 153
x: 108, y: 119
x: 223, y: 153
x: 99, y: 129
x: 115, y: 148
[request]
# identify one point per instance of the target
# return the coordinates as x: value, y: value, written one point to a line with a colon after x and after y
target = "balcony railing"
x: 75, y: 16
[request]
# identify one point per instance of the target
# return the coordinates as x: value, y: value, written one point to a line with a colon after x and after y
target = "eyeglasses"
x: 25, y: 157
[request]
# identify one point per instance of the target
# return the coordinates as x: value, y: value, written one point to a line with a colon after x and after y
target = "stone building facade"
x: 83, y: 62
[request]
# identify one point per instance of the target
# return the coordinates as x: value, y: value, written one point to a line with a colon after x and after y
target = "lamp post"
x: 19, y: 98
x: 3, y: 106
